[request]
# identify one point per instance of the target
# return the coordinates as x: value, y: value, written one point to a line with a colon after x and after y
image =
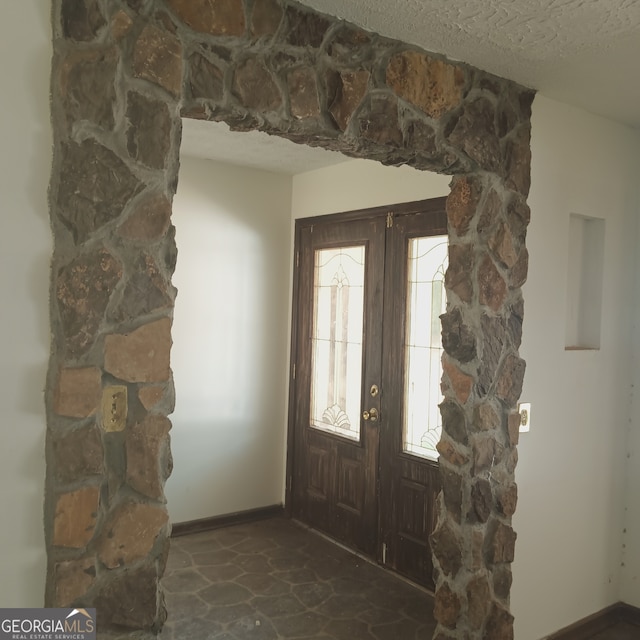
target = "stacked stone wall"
x: 123, y: 73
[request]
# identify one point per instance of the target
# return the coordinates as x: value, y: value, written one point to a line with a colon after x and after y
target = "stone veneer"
x: 124, y: 71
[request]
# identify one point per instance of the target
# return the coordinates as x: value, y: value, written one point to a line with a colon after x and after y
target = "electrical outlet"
x: 114, y: 408
x: 524, y: 408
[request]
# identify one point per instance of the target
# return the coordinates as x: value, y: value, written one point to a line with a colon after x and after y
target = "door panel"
x: 409, y: 481
x: 336, y: 452
x: 359, y: 362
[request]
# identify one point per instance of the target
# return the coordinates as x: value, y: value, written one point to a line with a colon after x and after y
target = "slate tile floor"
x: 275, y: 579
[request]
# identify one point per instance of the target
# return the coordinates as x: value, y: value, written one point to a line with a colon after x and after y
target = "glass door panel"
x: 426, y: 302
x: 338, y: 325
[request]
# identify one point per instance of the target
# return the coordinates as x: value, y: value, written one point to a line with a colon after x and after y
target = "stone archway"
x: 124, y: 71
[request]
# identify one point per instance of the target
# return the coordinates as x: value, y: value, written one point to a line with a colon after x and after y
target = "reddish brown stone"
x: 502, y: 245
x: 146, y: 291
x: 458, y: 339
x: 485, y: 417
x: 77, y: 454
x: 130, y: 599
x: 349, y: 92
x: 255, y: 87
x: 491, y: 285
x: 447, y: 606
x: 146, y: 446
x: 459, y: 271
x: 83, y: 291
x: 303, y: 93
x: 149, y: 220
x: 97, y: 186
x: 121, y: 23
x: 514, y: 428
x: 214, y: 17
x: 72, y: 580
x: 130, y: 533
x: 157, y: 57
x: 149, y: 131
x: 150, y: 396
x: 481, y: 501
x: 447, y: 548
x: 142, y: 355
x: 78, y: 392
x: 75, y: 517
x: 500, y: 543
x: 87, y: 84
x: 508, y: 500
x: 479, y: 601
x: 510, y: 378
x: 461, y: 383
x: 499, y: 624
x: 462, y: 203
x: 81, y: 19
x: 265, y: 18
x: 432, y: 85
x: 451, y: 454
x: 205, y: 78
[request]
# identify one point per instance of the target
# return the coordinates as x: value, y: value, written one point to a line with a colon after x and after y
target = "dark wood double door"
x: 366, y: 353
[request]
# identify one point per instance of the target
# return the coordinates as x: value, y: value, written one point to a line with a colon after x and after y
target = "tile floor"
x: 275, y: 579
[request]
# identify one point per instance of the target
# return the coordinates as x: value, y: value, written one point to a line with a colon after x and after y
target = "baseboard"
x: 597, y: 622
x: 226, y: 520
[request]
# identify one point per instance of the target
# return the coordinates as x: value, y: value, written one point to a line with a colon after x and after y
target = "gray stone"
x: 81, y: 19
x: 149, y: 132
x: 305, y: 29
x: 458, y: 339
x: 87, y: 84
x: 454, y: 422
x: 97, y: 186
x: 146, y: 291
x: 205, y: 78
x: 255, y: 87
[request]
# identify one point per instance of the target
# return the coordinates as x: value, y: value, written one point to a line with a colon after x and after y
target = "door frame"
x: 405, y: 208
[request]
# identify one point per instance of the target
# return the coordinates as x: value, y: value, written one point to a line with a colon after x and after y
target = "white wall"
x: 630, y: 584
x: 360, y: 184
x: 25, y: 247
x: 571, y: 469
x: 230, y: 339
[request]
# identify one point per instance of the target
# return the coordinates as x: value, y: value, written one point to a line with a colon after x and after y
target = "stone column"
x: 116, y: 85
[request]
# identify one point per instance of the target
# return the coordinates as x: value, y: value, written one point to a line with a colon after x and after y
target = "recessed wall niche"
x: 584, y: 283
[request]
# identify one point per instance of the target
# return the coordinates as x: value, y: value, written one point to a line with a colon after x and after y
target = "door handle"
x: 371, y: 414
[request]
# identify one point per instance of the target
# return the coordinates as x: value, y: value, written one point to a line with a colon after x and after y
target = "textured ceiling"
x: 583, y: 52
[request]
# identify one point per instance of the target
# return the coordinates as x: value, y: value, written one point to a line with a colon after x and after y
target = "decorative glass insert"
x: 336, y: 340
x: 426, y: 302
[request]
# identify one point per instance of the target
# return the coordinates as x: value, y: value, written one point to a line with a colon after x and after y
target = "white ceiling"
x: 583, y: 52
